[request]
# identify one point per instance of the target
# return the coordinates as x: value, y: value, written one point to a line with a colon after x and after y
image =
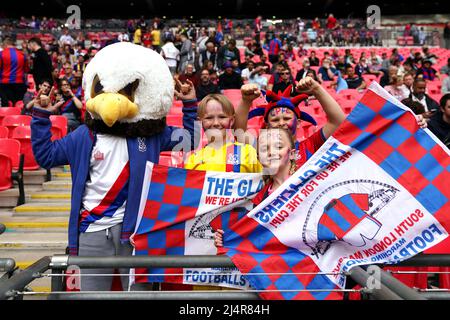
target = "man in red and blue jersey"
x: 13, y: 73
x: 274, y: 48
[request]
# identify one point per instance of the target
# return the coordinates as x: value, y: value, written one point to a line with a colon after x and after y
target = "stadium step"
x: 48, y: 196
x: 35, y: 177
x: 44, y: 209
x: 62, y: 185
x: 61, y: 176
x: 34, y: 241
x: 36, y: 224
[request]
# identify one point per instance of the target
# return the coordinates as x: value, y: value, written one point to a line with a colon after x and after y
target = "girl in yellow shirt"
x: 222, y: 153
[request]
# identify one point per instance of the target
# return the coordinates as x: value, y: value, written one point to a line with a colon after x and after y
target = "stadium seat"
x: 232, y: 93
x: 3, y: 132
x: 8, y: 111
x: 171, y: 159
x: 23, y: 135
x: 14, y: 121
x: 10, y: 149
x: 5, y: 173
x: 19, y: 104
x: 174, y: 120
x: 59, y: 127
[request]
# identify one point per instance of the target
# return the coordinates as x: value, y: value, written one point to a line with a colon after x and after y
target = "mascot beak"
x: 112, y: 107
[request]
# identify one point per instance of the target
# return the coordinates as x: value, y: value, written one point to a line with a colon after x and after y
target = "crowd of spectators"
x: 211, y: 60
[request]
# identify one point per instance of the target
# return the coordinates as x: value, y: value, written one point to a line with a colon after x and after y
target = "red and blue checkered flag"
x: 376, y: 192
x: 177, y: 206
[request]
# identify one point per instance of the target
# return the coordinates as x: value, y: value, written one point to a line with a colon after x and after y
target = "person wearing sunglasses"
x: 285, y: 81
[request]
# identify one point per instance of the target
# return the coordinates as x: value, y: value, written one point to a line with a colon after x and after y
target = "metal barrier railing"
x: 384, y: 287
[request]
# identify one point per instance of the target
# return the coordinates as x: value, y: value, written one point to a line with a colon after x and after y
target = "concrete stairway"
x: 37, y: 228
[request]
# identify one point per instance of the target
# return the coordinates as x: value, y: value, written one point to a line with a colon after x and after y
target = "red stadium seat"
x: 19, y: 104
x: 8, y: 111
x: 59, y: 127
x: 11, y: 148
x: 13, y: 167
x: 5, y: 173
x: 232, y: 93
x: 3, y: 132
x: 14, y: 121
x: 174, y: 120
x: 23, y: 135
x: 171, y: 159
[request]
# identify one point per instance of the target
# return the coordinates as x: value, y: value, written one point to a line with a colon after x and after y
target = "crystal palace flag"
x: 177, y: 206
x: 377, y: 191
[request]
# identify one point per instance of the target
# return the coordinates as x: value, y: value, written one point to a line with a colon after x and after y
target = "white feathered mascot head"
x: 128, y: 90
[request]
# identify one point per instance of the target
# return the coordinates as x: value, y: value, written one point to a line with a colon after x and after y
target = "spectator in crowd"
x: 428, y: 55
x: 245, y: 74
x: 71, y: 106
x: 13, y: 69
x: 418, y: 94
x: 415, y: 106
x: 375, y: 66
x: 257, y: 76
x: 361, y: 67
x: 81, y: 63
x: 186, y: 52
x: 229, y: 79
x: 275, y: 75
x: 408, y: 80
x: 236, y: 67
x: 386, y: 61
x: 353, y: 80
x: 387, y: 77
x: 42, y: 64
x: 341, y: 64
x: 205, y: 86
x: 445, y: 86
x: 123, y: 37
x: 244, y: 64
x: 156, y: 39
x: 171, y: 54
x: 66, y: 38
x: 397, y: 88
x: 146, y: 38
x: 75, y: 84
x: 208, y: 54
x: 301, y: 74
x: 313, y: 60
x: 447, y: 35
x: 137, y: 35
x: 274, y: 48
x: 327, y: 71
x: 427, y: 71
x: 285, y: 81
x: 264, y: 63
x: 439, y: 123
x: 188, y: 74
x: 29, y: 98
x: 446, y: 69
x: 331, y: 22
x: 316, y: 23
x: 228, y: 52
x: 66, y: 71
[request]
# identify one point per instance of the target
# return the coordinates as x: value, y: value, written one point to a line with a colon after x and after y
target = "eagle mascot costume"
x: 129, y: 91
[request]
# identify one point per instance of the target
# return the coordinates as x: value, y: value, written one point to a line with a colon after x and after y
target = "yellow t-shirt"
x: 231, y: 157
x: 137, y: 36
x: 156, y: 37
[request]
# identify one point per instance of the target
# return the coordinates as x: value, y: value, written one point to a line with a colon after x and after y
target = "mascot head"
x: 128, y: 90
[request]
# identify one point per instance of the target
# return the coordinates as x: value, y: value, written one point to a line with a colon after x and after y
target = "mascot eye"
x: 97, y: 87
x: 130, y: 90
